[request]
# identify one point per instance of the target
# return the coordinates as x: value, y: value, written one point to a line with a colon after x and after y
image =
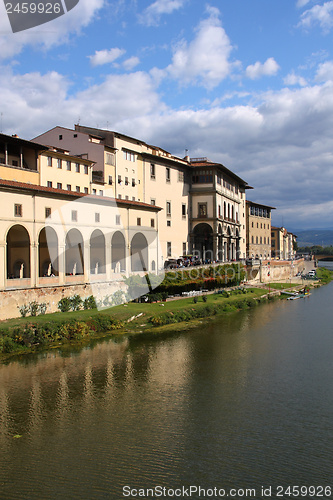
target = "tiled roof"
x: 63, y: 192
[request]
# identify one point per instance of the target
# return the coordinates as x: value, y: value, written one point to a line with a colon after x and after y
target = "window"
x: 218, y: 179
x: 77, y: 189
x: 133, y: 198
x: 97, y: 217
x: 126, y: 181
x: 109, y: 158
x: 68, y: 165
x: 168, y: 248
x: 60, y: 137
x: 59, y: 185
x: 260, y: 240
x: 169, y: 223
x: 152, y: 171
x: 94, y: 191
x: 49, y: 184
x: 119, y: 179
x: 74, y: 215
x: 118, y: 220
x: 126, y: 197
x: 264, y: 240
x: 252, y: 224
x: 75, y: 136
x: 202, y: 177
x: 110, y: 180
x: 152, y: 201
x: 86, y: 190
x: 86, y: 169
x: 183, y: 210
x: 219, y: 210
x: 181, y: 176
x: 49, y: 161
x: 133, y: 182
x: 59, y: 163
x: 69, y: 187
x: 252, y: 239
x: 202, y: 209
x: 77, y: 167
x: 152, y: 222
x: 257, y: 240
x: 184, y: 248
x: 127, y: 155
x: 47, y: 212
x: 138, y: 221
x: 167, y: 174
x: 18, y: 210
x: 168, y: 208
x: 119, y: 196
x: 101, y: 192
x: 267, y: 241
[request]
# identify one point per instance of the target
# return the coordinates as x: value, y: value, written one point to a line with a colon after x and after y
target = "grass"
x: 280, y: 286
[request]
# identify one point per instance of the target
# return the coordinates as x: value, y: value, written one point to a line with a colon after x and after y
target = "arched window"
x: 139, y: 253
x: 18, y: 252
x: 97, y: 252
x: 74, y: 256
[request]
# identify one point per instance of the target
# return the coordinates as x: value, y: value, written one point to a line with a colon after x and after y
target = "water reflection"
x: 239, y: 402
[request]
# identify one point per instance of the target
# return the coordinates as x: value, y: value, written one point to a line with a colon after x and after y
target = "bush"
x: 195, y: 299
x: 76, y: 302
x: 89, y: 303
x: 64, y: 304
x: 204, y: 298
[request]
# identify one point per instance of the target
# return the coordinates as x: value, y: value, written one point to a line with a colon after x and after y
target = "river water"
x: 241, y: 403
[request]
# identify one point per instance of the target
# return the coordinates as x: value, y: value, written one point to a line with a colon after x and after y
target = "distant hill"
x: 311, y: 237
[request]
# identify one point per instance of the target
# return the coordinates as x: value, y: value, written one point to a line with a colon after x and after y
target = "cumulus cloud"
x: 325, y: 72
x: 293, y: 79
x: 318, y: 14
x: 205, y: 60
x: 269, y: 68
x: 131, y: 63
x: 106, y: 56
x: 54, y: 33
x: 282, y: 145
x: 152, y: 14
x: 301, y: 3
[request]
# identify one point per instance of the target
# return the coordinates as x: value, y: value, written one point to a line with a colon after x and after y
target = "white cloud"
x: 301, y: 3
x: 321, y: 14
x: 151, y: 15
x: 205, y: 60
x: 325, y: 72
x: 106, y: 56
x: 54, y: 33
x: 282, y: 146
x: 131, y: 62
x: 268, y: 68
x: 293, y: 79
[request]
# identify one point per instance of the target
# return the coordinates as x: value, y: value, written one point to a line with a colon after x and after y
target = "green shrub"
x: 76, y: 302
x: 195, y: 300
x: 64, y: 304
x: 89, y: 303
x: 24, y: 310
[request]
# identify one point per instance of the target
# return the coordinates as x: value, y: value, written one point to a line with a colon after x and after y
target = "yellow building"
x: 258, y: 230
x: 217, y: 217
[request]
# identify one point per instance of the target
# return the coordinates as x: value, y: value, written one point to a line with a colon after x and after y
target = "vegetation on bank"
x: 80, y: 321
x: 30, y: 334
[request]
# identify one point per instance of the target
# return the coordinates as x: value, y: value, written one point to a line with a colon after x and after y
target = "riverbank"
x: 26, y: 335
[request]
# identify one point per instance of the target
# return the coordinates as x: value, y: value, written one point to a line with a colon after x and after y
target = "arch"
x: 139, y: 253
x: 74, y: 256
x: 97, y: 252
x: 203, y: 241
x: 153, y: 265
x: 48, y: 252
x: 18, y: 252
x: 118, y: 252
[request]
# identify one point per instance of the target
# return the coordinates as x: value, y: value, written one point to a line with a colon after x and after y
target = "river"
x: 242, y: 403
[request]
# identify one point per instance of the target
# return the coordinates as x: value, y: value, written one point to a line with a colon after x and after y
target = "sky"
x: 246, y: 83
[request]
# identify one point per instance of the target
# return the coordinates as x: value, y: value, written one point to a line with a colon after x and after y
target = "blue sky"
x: 245, y: 83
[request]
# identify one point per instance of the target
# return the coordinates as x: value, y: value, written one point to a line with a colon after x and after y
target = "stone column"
x: 3, y: 268
x: 62, y: 264
x: 33, y: 264
x: 108, y: 268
